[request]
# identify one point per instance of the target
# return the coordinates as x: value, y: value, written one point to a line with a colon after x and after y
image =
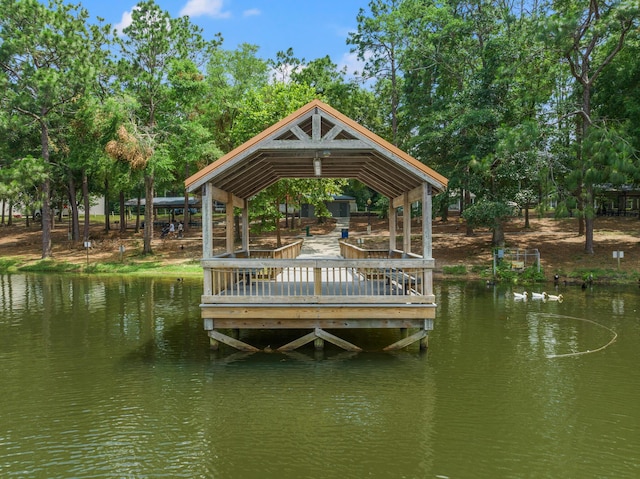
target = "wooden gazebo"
x: 362, y: 289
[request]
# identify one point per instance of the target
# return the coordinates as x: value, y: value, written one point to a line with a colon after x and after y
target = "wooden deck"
x: 276, y: 290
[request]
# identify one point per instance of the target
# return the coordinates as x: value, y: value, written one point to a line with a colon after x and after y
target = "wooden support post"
x: 406, y: 224
x: 317, y: 281
x: 427, y: 238
x: 207, y: 236
x: 245, y: 226
x: 318, y: 343
x: 427, y: 220
x: 316, y: 126
x: 207, y: 221
x: 393, y: 220
x: 230, y: 238
x: 424, y: 343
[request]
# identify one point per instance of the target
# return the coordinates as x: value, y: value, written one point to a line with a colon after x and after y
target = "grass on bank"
x: 457, y: 270
x: 147, y: 268
x: 600, y: 275
x: 141, y: 268
x: 583, y: 275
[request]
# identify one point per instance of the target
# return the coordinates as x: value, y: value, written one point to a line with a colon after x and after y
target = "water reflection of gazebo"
x: 363, y: 289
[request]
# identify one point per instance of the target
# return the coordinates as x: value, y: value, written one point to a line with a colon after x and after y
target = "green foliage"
x: 265, y: 206
x: 598, y: 275
x: 51, y: 266
x: 268, y: 105
x: 457, y: 270
x: 382, y: 205
x: 231, y: 77
x: 492, y: 96
x: 49, y: 60
x: 20, y: 182
x: 379, y: 42
x: 483, y: 271
x: 504, y: 273
x: 8, y: 265
x: 158, y: 52
x: 489, y: 214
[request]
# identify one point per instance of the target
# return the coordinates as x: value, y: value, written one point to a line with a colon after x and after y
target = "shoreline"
x: 458, y: 257
x: 190, y: 268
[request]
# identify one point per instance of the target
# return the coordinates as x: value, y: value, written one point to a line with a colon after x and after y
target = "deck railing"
x: 276, y: 277
x: 350, y: 251
x: 237, y: 280
x: 285, y: 252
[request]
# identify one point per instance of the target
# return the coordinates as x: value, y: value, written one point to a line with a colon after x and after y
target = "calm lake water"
x: 112, y: 377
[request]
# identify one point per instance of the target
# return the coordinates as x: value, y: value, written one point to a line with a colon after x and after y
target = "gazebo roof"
x: 316, y: 133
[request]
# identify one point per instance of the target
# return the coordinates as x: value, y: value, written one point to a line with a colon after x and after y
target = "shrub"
x: 459, y: 269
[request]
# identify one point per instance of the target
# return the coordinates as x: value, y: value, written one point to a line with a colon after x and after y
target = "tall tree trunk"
x: 72, y: 214
x: 467, y: 201
x: 286, y: 213
x: 86, y: 205
x: 148, y: 213
x: 497, y: 238
x: 107, y: 208
x: 278, y: 235
x: 46, y: 193
x: 444, y: 206
x: 123, y: 216
x: 589, y: 221
x: 589, y: 200
x: 579, y: 161
x: 10, y: 220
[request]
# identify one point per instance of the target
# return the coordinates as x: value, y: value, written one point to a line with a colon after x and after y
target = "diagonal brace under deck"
x: 421, y: 336
x: 319, y: 333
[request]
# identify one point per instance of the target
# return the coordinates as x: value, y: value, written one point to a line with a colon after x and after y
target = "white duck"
x: 537, y: 295
x: 520, y: 296
x: 553, y: 297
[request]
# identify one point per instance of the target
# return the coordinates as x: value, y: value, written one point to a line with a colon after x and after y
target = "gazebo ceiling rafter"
x: 316, y: 132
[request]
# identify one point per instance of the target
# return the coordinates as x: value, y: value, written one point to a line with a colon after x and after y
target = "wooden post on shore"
x: 424, y: 343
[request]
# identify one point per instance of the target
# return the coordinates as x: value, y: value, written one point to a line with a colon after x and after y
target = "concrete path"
x: 324, y: 246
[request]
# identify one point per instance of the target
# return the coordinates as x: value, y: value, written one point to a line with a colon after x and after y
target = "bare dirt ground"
x: 561, y: 249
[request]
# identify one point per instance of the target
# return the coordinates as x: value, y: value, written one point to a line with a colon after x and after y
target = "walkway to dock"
x: 324, y: 246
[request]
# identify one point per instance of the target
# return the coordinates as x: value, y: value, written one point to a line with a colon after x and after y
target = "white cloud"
x: 253, y: 12
x: 352, y: 64
x: 210, y: 8
x: 124, y: 22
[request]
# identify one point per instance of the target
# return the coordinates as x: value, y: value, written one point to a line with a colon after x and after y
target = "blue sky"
x: 313, y: 28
